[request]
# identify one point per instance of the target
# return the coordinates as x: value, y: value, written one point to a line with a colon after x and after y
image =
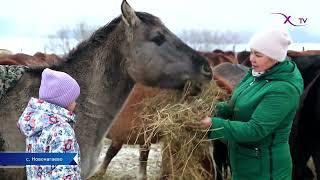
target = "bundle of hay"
x: 185, y: 151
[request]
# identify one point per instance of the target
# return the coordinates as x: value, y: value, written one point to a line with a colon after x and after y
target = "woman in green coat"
x: 256, y: 121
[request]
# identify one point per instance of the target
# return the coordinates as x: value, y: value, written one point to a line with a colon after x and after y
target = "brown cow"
x: 218, y: 56
x: 292, y: 53
x: 38, y: 59
x: 4, y: 52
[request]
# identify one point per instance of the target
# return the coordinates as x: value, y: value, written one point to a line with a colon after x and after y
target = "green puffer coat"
x: 257, y: 121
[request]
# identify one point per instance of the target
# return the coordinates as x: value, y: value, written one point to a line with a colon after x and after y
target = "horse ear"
x: 128, y: 14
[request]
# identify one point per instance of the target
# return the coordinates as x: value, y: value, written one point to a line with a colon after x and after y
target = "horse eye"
x: 159, y: 39
x: 206, y: 70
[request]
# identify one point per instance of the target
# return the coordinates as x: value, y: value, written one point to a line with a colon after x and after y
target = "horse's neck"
x: 105, y: 98
x: 104, y: 87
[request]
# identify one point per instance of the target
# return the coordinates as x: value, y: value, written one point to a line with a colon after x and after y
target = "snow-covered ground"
x: 125, y: 164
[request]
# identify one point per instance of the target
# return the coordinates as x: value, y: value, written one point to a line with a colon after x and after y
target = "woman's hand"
x: 205, y: 123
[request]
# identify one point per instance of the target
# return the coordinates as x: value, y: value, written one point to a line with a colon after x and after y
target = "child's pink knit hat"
x: 58, y: 88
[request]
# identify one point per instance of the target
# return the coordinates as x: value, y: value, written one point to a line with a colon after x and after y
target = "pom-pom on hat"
x: 58, y: 88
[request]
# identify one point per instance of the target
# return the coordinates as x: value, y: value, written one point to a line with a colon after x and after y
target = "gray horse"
x: 134, y: 47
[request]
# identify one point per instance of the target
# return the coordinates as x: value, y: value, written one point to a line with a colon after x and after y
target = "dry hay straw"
x: 184, y: 149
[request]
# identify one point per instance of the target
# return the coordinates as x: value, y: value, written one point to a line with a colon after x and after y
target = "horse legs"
x: 113, y: 150
x: 316, y: 159
x: 209, y: 166
x: 143, y: 159
x: 165, y: 166
x: 300, y: 155
x: 220, y: 154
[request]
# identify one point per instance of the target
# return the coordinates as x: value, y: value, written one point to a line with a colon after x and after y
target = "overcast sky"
x: 38, y: 18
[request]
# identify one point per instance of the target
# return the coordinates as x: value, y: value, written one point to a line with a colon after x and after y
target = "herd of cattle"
x: 304, y: 141
x: 39, y: 58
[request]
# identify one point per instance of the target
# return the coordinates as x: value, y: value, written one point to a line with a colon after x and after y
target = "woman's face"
x: 260, y: 62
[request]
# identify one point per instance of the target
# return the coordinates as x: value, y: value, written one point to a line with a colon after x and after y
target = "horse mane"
x: 100, y: 35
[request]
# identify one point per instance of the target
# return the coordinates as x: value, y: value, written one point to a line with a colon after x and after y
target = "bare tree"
x: 66, y: 38
x: 82, y: 31
x: 206, y: 40
x: 59, y: 42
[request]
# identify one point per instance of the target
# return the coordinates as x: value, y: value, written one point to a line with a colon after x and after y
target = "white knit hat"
x: 272, y: 43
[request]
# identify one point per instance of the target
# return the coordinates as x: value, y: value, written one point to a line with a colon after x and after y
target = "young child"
x: 47, y: 124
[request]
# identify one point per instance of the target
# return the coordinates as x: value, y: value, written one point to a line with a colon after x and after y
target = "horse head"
x: 157, y: 56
